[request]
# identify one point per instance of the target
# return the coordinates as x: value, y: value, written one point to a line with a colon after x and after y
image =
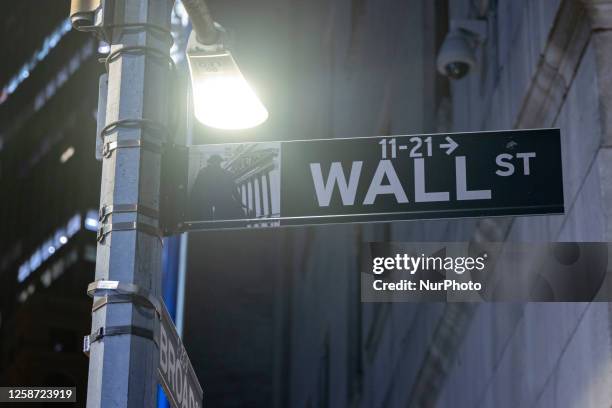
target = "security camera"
x: 457, y: 55
x: 83, y: 12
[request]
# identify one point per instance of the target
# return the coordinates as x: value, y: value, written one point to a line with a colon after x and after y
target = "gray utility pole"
x: 123, y: 351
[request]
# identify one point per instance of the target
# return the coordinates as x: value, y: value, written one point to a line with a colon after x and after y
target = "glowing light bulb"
x: 222, y: 98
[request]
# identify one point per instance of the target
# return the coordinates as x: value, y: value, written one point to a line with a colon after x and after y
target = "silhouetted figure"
x: 215, y: 195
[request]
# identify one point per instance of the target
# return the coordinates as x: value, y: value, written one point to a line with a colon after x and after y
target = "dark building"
x: 49, y: 185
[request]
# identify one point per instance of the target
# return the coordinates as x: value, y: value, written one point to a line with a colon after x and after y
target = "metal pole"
x: 123, y: 363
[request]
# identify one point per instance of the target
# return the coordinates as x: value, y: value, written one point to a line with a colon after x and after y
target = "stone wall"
x: 544, y: 355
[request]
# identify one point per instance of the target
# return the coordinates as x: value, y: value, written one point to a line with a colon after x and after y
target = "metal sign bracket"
x: 173, y: 189
x: 111, y: 146
x: 116, y: 331
x: 120, y: 292
x: 109, y: 209
x: 106, y: 229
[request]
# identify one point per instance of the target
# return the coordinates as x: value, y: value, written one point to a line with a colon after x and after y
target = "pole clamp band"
x: 107, y: 210
x: 116, y: 331
x: 144, y: 124
x: 122, y: 292
x: 109, y: 147
x: 106, y: 229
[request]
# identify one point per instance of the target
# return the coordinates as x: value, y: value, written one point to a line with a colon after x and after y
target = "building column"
x: 600, y: 18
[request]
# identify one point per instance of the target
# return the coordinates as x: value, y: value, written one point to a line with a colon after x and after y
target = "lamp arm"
x: 202, y: 21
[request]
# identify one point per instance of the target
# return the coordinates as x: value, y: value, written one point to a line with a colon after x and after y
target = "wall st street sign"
x: 371, y: 179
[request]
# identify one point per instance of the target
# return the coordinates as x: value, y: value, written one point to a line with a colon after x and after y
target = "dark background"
x: 41, y: 327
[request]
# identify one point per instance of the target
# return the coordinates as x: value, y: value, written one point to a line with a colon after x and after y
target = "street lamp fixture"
x: 222, y: 98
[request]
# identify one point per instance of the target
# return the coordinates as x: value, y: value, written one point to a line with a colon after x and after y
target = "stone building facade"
x: 545, y: 63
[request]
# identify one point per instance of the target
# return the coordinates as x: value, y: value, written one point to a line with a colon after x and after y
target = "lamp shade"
x: 222, y: 98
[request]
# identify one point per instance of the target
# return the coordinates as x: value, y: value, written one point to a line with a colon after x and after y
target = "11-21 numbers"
x: 417, y: 147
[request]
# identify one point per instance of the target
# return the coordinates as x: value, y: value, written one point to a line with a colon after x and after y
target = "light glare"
x: 91, y: 222
x: 222, y: 98
x: 227, y: 103
x: 67, y: 154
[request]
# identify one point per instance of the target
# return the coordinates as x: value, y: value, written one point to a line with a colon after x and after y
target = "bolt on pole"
x: 123, y: 361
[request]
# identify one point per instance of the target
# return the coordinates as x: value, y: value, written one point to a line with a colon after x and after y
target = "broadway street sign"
x: 374, y: 179
x: 176, y: 374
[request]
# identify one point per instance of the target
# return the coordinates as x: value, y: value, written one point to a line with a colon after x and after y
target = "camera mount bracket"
x: 477, y: 28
